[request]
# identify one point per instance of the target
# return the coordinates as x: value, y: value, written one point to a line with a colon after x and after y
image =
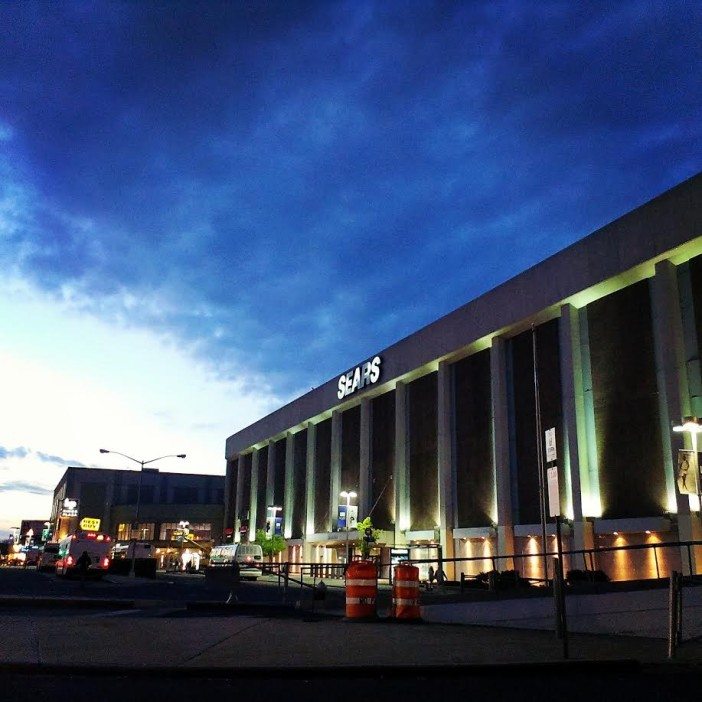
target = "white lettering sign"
x: 69, y: 508
x: 554, y: 500
x: 367, y: 373
x: 551, y: 454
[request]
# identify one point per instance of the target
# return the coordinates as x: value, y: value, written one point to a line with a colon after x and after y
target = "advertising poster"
x: 687, y: 474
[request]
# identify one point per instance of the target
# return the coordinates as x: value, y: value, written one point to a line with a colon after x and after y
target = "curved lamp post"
x: 138, y: 503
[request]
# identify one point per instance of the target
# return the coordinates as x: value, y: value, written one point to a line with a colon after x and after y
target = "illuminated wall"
x: 523, y: 464
x: 351, y: 449
x: 480, y: 549
x: 423, y: 476
x: 261, y: 512
x: 382, y: 459
x: 475, y: 480
x: 322, y: 471
x: 299, y: 474
x: 625, y: 398
x: 279, y: 482
x: 637, y: 564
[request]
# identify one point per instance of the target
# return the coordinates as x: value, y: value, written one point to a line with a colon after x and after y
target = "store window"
x: 144, y: 531
x: 168, y: 530
x: 201, y: 532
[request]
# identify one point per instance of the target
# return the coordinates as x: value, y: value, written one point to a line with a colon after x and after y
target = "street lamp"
x: 138, y: 503
x: 692, y: 426
x: 348, y: 496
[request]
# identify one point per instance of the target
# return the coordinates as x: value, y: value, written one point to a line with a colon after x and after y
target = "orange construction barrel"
x: 405, y: 592
x: 361, y: 590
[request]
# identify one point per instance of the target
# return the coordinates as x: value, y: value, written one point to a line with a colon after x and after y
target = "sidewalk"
x: 125, y: 639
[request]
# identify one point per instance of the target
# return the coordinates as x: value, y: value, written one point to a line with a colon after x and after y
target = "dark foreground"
x: 575, y: 681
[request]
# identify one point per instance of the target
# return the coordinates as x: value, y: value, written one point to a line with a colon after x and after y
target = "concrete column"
x: 335, y: 475
x: 239, y: 500
x: 673, y: 390
x: 575, y: 461
x: 310, y: 479
x: 364, y: 488
x: 289, y: 485
x: 401, y: 475
x: 593, y: 506
x: 500, y: 451
x: 446, y: 466
x: 270, y: 476
x: 253, y: 504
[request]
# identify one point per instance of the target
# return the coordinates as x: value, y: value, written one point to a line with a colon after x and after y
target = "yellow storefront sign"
x: 90, y: 524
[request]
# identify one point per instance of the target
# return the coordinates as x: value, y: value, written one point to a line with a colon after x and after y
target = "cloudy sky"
x: 208, y: 208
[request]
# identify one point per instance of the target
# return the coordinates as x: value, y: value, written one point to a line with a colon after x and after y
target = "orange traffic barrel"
x: 405, y: 592
x: 361, y: 590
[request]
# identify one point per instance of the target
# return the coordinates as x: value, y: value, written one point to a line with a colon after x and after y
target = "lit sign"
x: 90, y: 524
x: 367, y: 373
x: 69, y: 507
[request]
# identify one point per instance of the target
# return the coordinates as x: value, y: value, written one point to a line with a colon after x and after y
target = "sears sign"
x: 367, y: 373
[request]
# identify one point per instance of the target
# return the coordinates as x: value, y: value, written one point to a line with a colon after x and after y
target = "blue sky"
x: 208, y: 208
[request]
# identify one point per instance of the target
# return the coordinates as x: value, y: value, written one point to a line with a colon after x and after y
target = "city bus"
x: 71, y: 548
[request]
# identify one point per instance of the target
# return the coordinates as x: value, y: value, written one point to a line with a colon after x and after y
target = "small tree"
x: 364, y: 544
x: 270, y: 547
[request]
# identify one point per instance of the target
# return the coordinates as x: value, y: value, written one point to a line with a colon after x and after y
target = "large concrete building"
x: 437, y: 433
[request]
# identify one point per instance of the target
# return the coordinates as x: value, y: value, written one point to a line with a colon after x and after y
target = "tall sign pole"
x: 554, y: 510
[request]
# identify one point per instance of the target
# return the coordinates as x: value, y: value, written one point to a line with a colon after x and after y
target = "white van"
x: 248, y: 556
x: 72, y: 547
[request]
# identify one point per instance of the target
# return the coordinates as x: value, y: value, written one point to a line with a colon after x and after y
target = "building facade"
x: 148, y: 505
x: 437, y: 434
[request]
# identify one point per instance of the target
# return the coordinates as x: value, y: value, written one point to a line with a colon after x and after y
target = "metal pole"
x: 348, y: 507
x: 539, y: 453
x: 672, y: 615
x: 132, y: 567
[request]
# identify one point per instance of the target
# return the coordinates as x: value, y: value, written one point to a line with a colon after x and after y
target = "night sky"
x: 260, y: 195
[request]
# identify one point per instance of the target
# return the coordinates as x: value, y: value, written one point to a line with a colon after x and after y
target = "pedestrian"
x: 83, y: 564
x: 430, y: 581
x: 234, y: 580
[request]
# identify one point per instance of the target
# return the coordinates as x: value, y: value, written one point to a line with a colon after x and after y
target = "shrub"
x: 586, y: 576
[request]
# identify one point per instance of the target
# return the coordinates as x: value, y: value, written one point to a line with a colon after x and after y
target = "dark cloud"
x: 289, y: 187
x: 25, y: 487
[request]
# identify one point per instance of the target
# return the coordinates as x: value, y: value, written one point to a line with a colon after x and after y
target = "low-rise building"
x: 147, y: 505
